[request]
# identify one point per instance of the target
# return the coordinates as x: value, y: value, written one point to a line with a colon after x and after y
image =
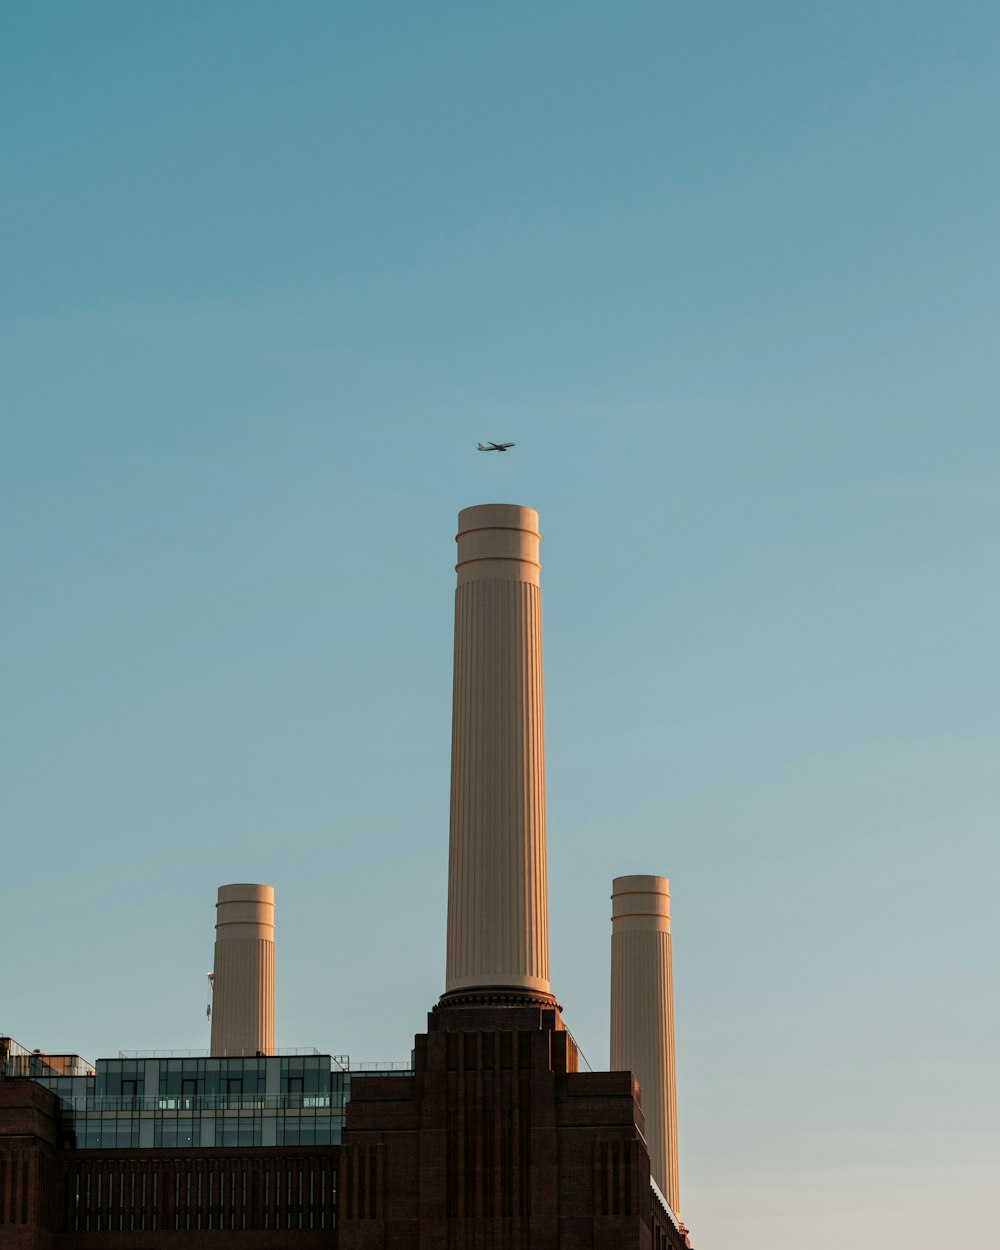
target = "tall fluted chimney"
x: 243, y: 980
x: 642, y: 1015
x: 498, y: 928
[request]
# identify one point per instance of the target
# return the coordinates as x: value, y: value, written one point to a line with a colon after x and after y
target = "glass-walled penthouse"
x: 276, y: 1100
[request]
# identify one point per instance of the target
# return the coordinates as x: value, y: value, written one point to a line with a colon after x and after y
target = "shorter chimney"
x: 243, y: 979
x: 642, y: 1015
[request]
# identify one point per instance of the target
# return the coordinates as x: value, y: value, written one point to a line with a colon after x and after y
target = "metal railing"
x: 583, y: 1064
x: 657, y: 1193
x: 201, y: 1102
x: 342, y: 1061
x: 282, y: 1052
x: 391, y: 1067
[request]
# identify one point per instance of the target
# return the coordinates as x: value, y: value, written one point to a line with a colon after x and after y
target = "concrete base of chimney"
x: 497, y: 996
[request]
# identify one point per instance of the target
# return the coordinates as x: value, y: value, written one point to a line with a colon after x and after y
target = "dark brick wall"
x: 258, y: 1196
x: 28, y: 1110
x: 496, y: 1142
x: 29, y: 1168
x: 254, y: 1199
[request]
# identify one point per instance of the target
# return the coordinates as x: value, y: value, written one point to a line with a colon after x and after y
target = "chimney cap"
x: 498, y: 516
x: 640, y: 902
x: 243, y: 891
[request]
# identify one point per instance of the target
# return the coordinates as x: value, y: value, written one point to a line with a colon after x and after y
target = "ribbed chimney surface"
x: 498, y: 929
x: 642, y: 1015
x: 243, y: 980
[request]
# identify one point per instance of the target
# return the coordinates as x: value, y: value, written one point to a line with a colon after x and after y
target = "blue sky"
x: 728, y: 275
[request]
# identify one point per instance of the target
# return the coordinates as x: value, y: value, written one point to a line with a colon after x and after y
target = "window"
x: 233, y: 1131
x: 171, y: 1133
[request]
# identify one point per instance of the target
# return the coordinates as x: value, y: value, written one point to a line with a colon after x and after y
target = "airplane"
x: 494, y: 446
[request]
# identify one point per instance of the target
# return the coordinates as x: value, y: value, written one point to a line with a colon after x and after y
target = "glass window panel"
x: 234, y: 1131
x: 171, y: 1133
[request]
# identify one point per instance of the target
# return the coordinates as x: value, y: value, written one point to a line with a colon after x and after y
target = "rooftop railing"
x: 398, y: 1067
x: 207, y: 1054
x: 201, y: 1102
x: 664, y: 1204
x: 583, y: 1063
x: 343, y: 1062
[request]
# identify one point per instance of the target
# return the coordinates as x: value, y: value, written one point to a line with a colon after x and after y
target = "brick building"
x: 493, y: 1139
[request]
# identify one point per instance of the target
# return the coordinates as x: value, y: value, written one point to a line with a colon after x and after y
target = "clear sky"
x: 728, y: 275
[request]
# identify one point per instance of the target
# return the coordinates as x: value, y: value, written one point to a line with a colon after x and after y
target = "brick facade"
x: 495, y: 1142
